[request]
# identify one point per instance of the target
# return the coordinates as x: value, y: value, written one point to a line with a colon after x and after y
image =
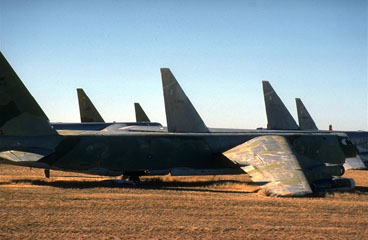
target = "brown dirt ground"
x: 77, y: 206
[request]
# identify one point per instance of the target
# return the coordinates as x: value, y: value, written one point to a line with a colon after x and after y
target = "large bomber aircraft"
x: 91, y: 119
x: 279, y: 117
x: 286, y: 163
x: 89, y: 113
x: 359, y: 138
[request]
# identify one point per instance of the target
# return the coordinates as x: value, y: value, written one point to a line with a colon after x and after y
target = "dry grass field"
x: 77, y: 206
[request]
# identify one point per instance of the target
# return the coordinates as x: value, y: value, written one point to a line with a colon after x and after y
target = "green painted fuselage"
x: 114, y: 154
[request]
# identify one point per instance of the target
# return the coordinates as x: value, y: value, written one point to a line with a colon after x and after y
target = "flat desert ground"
x: 78, y: 206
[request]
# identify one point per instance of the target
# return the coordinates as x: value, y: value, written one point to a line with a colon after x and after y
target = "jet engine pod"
x: 333, y: 184
x: 325, y: 172
x: 344, y: 183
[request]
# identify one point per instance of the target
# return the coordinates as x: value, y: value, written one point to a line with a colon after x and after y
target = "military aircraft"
x: 91, y: 119
x: 279, y: 117
x: 89, y: 113
x: 359, y: 138
x: 286, y: 163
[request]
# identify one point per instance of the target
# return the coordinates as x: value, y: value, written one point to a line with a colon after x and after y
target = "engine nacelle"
x: 334, y: 170
x: 324, y: 172
x: 333, y: 184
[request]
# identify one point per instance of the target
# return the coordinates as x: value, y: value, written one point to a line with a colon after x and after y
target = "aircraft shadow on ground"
x: 158, y: 184
x: 155, y: 184
x: 5, y: 183
x: 361, y: 190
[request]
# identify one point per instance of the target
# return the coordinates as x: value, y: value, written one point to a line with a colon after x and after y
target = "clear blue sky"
x: 219, y: 51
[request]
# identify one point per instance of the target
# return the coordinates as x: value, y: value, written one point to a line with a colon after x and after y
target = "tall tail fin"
x: 88, y: 112
x: 20, y: 114
x: 181, y: 116
x: 140, y: 115
x: 278, y: 117
x: 305, y: 120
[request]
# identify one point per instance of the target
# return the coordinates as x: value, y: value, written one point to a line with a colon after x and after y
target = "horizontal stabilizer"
x: 88, y: 112
x: 20, y: 114
x: 181, y: 116
x: 140, y: 115
x: 305, y: 120
x: 278, y: 116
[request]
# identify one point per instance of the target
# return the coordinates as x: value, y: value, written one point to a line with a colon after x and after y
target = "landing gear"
x: 134, y: 178
x: 47, y: 173
x: 131, y: 178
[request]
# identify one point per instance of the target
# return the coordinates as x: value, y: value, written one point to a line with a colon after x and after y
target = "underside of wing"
x: 272, y: 164
x: 25, y: 157
x: 354, y: 163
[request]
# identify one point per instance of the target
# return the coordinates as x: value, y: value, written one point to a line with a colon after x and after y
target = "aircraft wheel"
x: 47, y: 173
x: 134, y: 178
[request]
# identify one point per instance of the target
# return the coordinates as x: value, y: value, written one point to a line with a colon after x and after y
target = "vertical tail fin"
x: 140, y: 115
x: 181, y: 116
x: 88, y: 112
x: 20, y: 114
x: 305, y: 120
x: 278, y: 117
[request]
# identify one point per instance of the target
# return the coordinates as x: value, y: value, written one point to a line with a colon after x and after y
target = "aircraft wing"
x: 18, y: 156
x: 271, y: 162
x: 354, y: 163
